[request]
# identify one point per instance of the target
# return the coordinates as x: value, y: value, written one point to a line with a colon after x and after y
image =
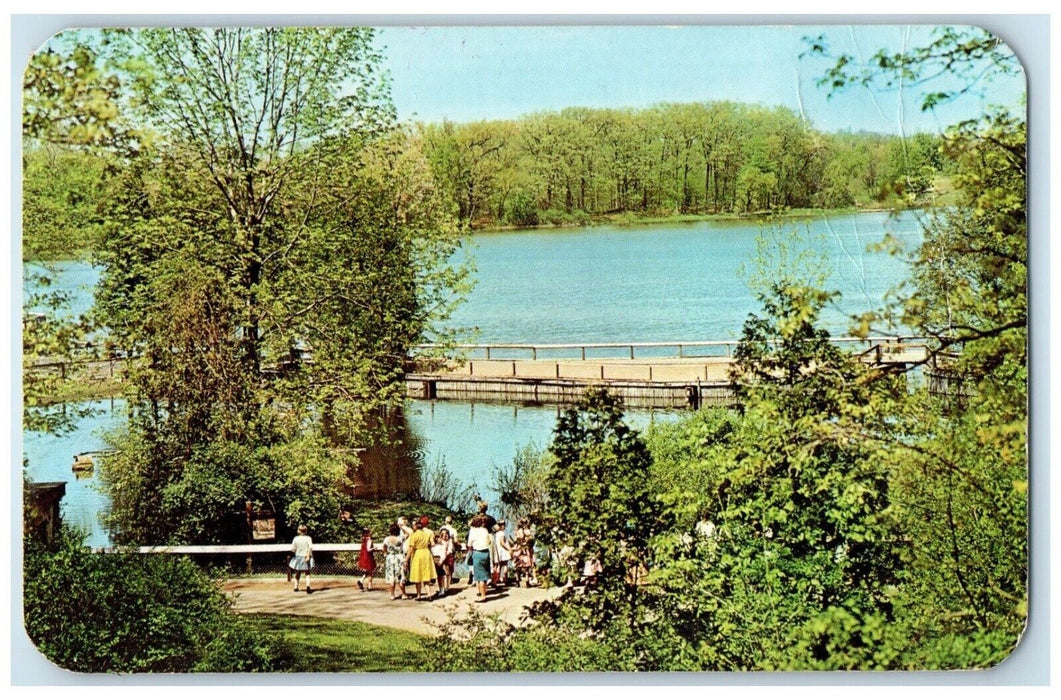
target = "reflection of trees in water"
x: 391, y: 466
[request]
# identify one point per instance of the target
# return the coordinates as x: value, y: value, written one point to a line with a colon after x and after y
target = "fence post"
x: 250, y: 535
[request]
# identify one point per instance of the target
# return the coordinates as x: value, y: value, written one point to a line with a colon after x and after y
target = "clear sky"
x: 494, y: 72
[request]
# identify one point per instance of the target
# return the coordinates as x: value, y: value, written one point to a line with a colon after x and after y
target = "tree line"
x: 697, y: 158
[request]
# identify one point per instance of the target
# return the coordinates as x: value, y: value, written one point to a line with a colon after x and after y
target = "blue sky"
x: 491, y: 72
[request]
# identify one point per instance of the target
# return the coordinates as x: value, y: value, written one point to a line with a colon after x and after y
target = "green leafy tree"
x: 960, y: 482
x: 69, y: 120
x: 68, y: 98
x: 267, y: 267
x: 600, y: 505
x: 801, y: 534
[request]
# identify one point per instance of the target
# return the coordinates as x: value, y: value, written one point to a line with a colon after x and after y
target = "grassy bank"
x: 82, y: 382
x: 340, y: 646
x: 635, y: 219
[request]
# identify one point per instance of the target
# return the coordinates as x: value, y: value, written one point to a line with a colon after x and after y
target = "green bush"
x: 523, y: 210
x: 130, y: 613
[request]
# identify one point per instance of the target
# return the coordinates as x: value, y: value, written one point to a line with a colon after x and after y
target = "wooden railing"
x: 681, y: 349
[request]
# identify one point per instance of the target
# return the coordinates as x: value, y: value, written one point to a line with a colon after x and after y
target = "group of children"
x: 414, y: 554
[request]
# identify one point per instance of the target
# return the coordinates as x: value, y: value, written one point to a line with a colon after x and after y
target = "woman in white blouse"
x: 481, y: 545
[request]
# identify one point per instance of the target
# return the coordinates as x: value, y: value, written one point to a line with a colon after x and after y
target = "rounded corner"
x: 1004, y: 43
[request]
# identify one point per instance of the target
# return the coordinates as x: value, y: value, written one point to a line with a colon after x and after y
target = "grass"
x: 341, y: 646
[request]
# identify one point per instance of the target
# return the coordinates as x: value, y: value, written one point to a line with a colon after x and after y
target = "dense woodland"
x: 698, y: 158
x: 577, y: 165
x: 244, y: 213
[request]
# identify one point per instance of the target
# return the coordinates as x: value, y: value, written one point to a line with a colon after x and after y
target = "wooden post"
x: 250, y: 535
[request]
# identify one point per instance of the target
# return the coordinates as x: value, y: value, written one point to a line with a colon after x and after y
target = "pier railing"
x: 632, y: 351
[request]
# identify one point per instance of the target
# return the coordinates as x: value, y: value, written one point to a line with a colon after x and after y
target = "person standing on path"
x: 302, y: 556
x: 523, y: 553
x: 480, y: 544
x: 394, y: 562
x: 419, y: 559
x: 503, y: 553
x: 442, y: 552
x: 365, y: 561
x: 448, y: 527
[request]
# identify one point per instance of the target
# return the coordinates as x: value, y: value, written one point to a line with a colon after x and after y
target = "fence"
x: 631, y: 351
x: 267, y: 559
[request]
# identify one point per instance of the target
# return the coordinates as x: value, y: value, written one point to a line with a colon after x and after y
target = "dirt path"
x: 340, y: 598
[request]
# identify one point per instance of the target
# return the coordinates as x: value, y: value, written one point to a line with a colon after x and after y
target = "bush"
x: 523, y: 211
x: 129, y: 613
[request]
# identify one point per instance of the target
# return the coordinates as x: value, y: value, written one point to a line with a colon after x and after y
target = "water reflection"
x: 390, y: 467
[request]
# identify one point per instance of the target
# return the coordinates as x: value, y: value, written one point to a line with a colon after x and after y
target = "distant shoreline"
x: 631, y: 219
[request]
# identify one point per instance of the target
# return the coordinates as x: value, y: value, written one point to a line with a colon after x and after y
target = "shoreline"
x: 628, y: 219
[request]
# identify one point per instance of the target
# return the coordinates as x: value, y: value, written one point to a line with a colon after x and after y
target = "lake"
x: 660, y: 283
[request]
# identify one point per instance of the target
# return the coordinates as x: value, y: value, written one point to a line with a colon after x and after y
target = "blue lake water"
x: 606, y: 284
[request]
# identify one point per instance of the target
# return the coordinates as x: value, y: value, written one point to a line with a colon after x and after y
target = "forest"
x: 672, y: 159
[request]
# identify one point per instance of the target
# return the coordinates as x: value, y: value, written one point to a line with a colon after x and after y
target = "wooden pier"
x: 668, y: 375
x: 648, y: 375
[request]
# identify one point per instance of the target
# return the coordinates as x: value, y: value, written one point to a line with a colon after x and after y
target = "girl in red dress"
x: 365, y: 561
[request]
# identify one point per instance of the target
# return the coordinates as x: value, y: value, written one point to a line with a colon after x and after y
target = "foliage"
x: 63, y: 192
x: 267, y: 310
x: 960, y: 60
x: 599, y: 505
x: 801, y: 530
x: 564, y: 168
x: 198, y: 495
x: 48, y: 336
x: 523, y: 485
x: 69, y: 109
x: 440, y: 486
x: 69, y: 99
x: 379, y: 514
x: 129, y: 613
x: 961, y: 483
x: 471, y: 644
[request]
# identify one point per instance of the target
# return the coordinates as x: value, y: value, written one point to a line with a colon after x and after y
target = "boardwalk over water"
x: 649, y: 375
x: 658, y: 375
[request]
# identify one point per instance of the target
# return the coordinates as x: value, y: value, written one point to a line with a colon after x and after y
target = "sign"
x: 263, y: 528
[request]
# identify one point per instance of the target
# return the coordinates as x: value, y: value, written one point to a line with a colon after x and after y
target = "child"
x: 442, y: 552
x: 394, y: 562
x: 302, y: 559
x: 365, y: 561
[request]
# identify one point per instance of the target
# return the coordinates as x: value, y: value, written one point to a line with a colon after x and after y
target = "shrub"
x: 132, y: 613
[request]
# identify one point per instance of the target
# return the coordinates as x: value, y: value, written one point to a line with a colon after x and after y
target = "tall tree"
x: 270, y: 264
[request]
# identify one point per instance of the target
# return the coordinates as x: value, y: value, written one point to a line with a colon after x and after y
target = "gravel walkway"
x: 340, y: 598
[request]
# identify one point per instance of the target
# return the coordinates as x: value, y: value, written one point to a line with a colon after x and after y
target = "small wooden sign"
x: 263, y: 528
